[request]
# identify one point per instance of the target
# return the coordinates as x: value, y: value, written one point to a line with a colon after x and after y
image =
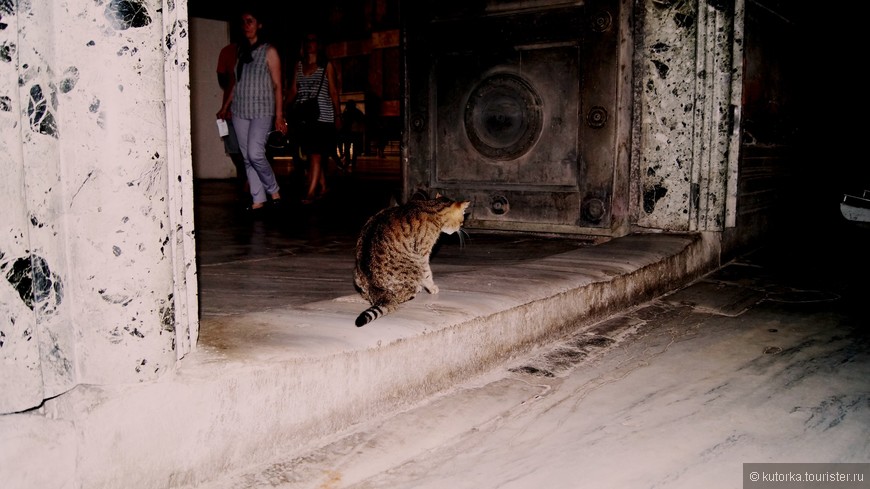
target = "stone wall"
x: 96, y: 253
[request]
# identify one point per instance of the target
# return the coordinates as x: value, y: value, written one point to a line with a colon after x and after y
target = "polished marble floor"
x: 301, y: 254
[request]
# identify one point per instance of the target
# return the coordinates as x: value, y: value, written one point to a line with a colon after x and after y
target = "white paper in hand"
x: 223, y: 130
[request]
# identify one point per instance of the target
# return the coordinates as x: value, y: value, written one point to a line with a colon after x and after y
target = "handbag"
x: 307, y: 111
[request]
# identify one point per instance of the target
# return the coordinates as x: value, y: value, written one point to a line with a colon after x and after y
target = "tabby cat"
x: 392, y: 252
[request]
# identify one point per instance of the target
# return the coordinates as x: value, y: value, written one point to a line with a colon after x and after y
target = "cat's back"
x: 411, y: 214
x: 411, y: 228
x: 393, y: 226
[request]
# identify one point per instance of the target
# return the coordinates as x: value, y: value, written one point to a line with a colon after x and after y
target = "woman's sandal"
x: 252, y: 211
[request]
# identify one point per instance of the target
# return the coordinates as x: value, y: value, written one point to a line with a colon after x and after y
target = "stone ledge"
x: 289, y: 377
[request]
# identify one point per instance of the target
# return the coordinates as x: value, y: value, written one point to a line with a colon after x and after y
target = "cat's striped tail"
x: 371, y: 314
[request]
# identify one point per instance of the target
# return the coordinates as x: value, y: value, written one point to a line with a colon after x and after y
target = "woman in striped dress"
x: 314, y: 77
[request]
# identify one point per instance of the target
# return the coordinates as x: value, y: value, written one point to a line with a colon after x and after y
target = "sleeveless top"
x: 306, y: 88
x: 254, y: 95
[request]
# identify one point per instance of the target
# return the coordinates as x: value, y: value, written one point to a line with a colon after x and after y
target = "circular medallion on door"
x: 503, y: 117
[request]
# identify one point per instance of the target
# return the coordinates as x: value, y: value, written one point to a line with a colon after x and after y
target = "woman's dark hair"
x: 321, y: 47
x: 244, y: 48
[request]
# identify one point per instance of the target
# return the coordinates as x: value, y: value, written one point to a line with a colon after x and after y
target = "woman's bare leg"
x: 315, y: 176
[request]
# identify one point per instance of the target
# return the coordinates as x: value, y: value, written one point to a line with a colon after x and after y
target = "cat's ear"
x: 420, y: 194
x: 463, y: 205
